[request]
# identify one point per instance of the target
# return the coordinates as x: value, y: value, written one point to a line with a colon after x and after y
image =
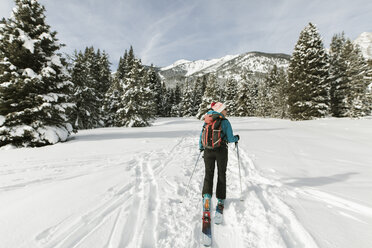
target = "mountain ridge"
x: 229, y: 66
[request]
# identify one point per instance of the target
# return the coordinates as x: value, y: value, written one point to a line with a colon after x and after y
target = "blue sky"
x: 163, y: 31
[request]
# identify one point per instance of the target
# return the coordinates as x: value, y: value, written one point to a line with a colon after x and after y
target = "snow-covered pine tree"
x: 210, y: 95
x: 356, y: 102
x: 112, y: 102
x: 187, y: 104
x: 166, y: 101
x: 280, y: 93
x: 242, y: 101
x: 89, y: 91
x: 136, y: 106
x: 176, y: 102
x: 221, y: 90
x: 264, y: 99
x: 308, y: 77
x: 198, y: 92
x: 275, y: 101
x: 231, y: 96
x: 369, y: 88
x: 155, y: 87
x: 251, y: 87
x: 337, y: 77
x: 122, y: 70
x: 104, y: 75
x: 35, y: 85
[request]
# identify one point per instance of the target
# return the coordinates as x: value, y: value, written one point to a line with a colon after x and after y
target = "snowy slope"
x: 364, y: 41
x: 192, y: 67
x: 305, y: 184
x: 230, y: 66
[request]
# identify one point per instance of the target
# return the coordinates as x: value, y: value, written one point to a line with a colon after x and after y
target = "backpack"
x: 211, y: 135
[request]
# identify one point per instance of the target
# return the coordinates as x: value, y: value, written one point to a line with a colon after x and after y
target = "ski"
x: 206, y: 238
x: 218, y: 217
x: 206, y: 231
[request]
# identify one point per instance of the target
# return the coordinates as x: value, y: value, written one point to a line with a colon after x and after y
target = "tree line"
x: 45, y: 96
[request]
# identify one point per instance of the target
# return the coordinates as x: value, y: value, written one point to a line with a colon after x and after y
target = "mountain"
x: 364, y: 41
x: 257, y: 64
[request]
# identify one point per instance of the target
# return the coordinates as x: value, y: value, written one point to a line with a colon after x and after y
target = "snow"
x: 53, y: 134
x: 48, y: 71
x: 194, y: 66
x: 305, y: 184
x: 364, y: 41
x: 30, y: 73
x: 28, y: 43
x: 178, y: 62
x: 51, y: 97
x: 55, y: 59
x: 19, y: 130
x: 2, y: 120
x: 6, y: 84
x: 46, y: 36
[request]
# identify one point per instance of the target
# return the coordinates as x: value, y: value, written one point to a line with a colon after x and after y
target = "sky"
x: 164, y: 31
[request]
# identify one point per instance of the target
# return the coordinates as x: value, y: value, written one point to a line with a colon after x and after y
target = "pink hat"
x: 218, y: 106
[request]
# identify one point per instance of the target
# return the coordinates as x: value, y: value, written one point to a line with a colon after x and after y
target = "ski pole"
x: 188, y: 185
x: 240, y: 175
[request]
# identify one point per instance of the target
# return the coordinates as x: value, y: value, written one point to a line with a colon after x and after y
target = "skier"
x: 215, y: 135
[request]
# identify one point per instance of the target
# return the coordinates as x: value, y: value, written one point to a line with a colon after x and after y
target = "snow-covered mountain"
x: 364, y: 41
x: 230, y: 66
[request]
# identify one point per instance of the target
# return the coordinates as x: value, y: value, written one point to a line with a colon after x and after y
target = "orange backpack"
x: 211, y: 135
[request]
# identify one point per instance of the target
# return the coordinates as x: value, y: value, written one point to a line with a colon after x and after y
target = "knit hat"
x: 218, y: 106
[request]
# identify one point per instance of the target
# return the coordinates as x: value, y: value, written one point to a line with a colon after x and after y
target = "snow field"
x: 117, y: 187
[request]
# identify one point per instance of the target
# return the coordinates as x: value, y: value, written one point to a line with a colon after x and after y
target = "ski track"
x: 146, y: 212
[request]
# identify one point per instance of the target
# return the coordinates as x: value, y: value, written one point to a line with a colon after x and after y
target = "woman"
x: 214, y: 144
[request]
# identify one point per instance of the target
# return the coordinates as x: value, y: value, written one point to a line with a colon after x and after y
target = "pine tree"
x: 308, y: 77
x: 198, y: 92
x: 91, y: 76
x: 274, y: 102
x: 242, y: 101
x: 167, y: 101
x: 369, y: 88
x: 280, y: 93
x: 104, y: 75
x: 156, y: 88
x: 176, y: 102
x: 249, y: 90
x: 112, y: 99
x: 187, y: 101
x: 87, y: 114
x: 136, y: 107
x: 231, y: 96
x: 349, y: 79
x: 210, y: 95
x: 112, y: 102
x: 35, y: 85
x: 356, y: 102
x: 337, y: 75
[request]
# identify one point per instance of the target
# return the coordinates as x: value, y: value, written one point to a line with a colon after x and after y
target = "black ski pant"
x: 210, y: 157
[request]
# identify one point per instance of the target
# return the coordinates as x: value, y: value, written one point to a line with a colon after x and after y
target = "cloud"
x: 156, y: 32
x: 164, y: 31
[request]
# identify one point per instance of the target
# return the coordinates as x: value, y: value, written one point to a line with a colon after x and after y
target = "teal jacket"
x: 227, y: 132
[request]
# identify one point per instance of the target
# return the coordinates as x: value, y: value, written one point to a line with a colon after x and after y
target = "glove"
x: 201, y: 149
x: 236, y: 142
